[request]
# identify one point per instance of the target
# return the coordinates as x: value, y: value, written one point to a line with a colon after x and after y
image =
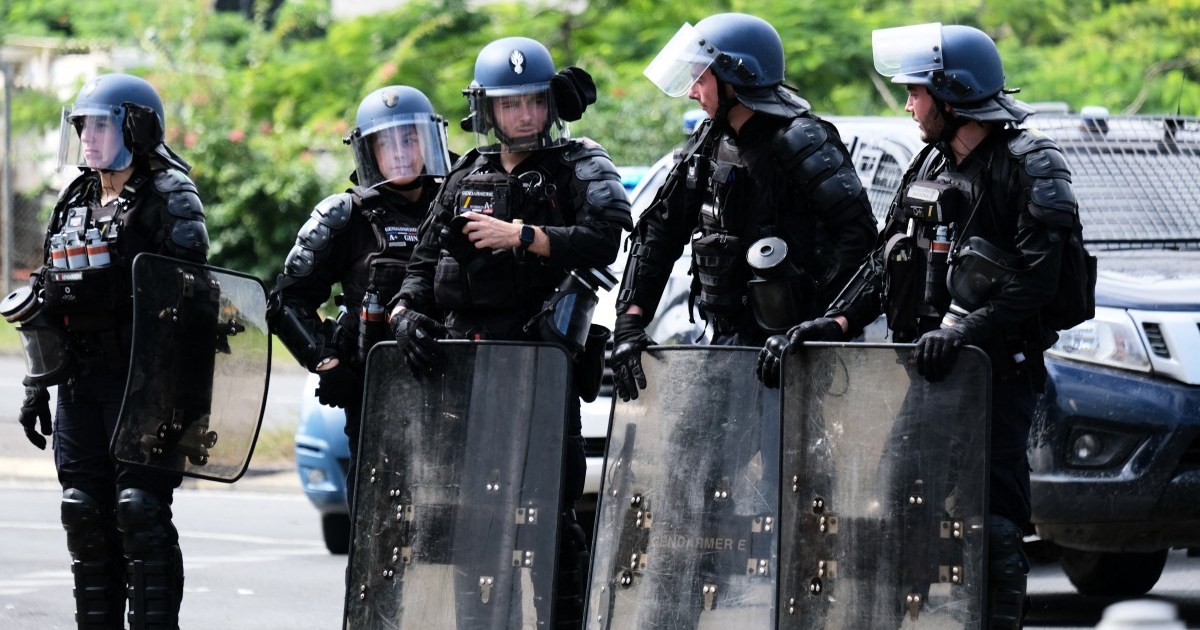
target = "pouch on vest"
x: 978, y: 271
x: 779, y: 289
x: 722, y: 272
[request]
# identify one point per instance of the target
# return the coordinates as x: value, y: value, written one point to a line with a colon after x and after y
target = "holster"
x: 589, y: 367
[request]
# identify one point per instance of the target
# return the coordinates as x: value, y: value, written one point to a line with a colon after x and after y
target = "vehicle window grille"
x: 882, y: 175
x: 1132, y: 166
x: 1157, y: 343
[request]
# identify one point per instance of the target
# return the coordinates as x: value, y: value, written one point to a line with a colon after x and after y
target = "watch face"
x: 527, y: 235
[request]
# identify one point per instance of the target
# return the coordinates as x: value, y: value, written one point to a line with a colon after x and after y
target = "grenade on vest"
x: 372, y: 323
x: 58, y: 251
x: 76, y: 252
x: 97, y: 249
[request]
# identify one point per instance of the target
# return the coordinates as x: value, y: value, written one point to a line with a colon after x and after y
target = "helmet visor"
x: 94, y: 138
x: 681, y: 62
x: 400, y: 149
x: 907, y: 49
x: 510, y: 122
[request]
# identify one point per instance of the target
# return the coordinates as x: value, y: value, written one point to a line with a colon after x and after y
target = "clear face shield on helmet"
x: 93, y: 137
x: 516, y: 119
x: 681, y: 62
x: 400, y: 149
x: 908, y: 50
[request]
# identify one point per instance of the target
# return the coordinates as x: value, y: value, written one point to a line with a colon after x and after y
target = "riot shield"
x: 884, y: 497
x: 459, y: 483
x: 198, y: 371
x: 686, y: 532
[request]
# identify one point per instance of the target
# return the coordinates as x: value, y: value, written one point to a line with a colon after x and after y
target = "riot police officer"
x: 132, y: 196
x: 515, y: 216
x: 362, y: 238
x: 765, y: 191
x: 993, y: 205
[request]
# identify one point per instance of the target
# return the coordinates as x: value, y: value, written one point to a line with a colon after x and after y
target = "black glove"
x: 819, y: 329
x: 36, y: 407
x: 416, y: 337
x: 629, y: 340
x: 338, y: 387
x: 769, y: 359
x: 936, y: 351
x: 573, y: 91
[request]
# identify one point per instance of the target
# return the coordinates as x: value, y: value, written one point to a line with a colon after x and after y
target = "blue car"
x: 322, y: 459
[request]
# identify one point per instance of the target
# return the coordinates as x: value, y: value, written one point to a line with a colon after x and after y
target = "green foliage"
x: 260, y: 111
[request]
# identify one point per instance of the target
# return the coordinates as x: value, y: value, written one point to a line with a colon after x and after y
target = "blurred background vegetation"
x: 259, y: 99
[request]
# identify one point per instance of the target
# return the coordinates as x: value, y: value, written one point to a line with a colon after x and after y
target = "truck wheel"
x: 1126, y: 574
x: 336, y: 528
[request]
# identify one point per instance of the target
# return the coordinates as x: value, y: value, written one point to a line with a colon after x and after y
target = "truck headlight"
x: 1110, y: 338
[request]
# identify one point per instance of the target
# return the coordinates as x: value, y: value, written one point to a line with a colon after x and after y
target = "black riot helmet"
x: 115, y: 118
x: 511, y: 99
x: 742, y: 50
x: 959, y: 65
x: 398, y: 137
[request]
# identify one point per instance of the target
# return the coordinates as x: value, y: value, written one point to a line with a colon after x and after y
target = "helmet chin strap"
x: 952, y: 124
x: 724, y: 104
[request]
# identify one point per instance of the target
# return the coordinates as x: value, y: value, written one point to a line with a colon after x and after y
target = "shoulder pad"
x: 191, y: 236
x: 335, y: 210
x: 596, y: 167
x: 185, y: 204
x: 801, y: 137
x: 169, y: 180
x: 1039, y: 155
x: 1027, y: 140
x: 299, y: 262
x: 466, y: 158
x: 582, y: 148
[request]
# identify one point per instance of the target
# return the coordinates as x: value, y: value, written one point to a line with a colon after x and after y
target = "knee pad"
x: 86, y: 523
x: 145, y: 524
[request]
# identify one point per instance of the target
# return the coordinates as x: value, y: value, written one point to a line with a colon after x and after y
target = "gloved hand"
x: 416, y: 337
x: 36, y: 407
x: 338, y: 387
x: 936, y: 351
x: 769, y: 360
x: 573, y: 90
x: 819, y: 329
x: 629, y: 339
x: 770, y: 357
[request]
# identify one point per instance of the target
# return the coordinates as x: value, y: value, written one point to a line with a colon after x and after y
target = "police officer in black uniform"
x: 765, y: 191
x: 362, y: 238
x: 992, y: 204
x: 132, y: 196
x: 514, y: 217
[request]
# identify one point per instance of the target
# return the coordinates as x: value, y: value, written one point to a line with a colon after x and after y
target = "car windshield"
x: 1135, y: 178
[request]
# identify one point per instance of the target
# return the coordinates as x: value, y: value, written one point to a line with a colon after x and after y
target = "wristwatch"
x: 527, y: 235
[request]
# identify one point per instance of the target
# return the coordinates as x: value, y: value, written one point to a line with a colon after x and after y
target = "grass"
x: 276, y: 448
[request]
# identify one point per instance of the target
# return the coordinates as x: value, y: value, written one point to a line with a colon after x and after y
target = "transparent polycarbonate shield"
x: 198, y: 372
x: 884, y: 490
x: 459, y: 479
x: 686, y: 532
x: 907, y: 49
